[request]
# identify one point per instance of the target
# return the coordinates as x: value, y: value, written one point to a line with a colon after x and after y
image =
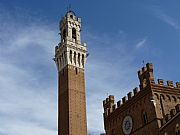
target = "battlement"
x: 169, y: 117
x: 169, y: 83
x: 146, y: 76
x: 110, y: 106
x: 148, y: 68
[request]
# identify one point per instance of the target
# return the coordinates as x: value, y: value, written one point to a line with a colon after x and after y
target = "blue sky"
x: 119, y: 35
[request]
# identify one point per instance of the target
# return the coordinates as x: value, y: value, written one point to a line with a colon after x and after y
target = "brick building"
x: 152, y: 110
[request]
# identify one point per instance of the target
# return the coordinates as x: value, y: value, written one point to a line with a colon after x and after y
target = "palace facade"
x: 153, y: 109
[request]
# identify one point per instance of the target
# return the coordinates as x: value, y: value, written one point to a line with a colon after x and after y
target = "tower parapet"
x: 70, y: 51
x: 168, y: 84
x: 146, y: 76
x: 109, y: 105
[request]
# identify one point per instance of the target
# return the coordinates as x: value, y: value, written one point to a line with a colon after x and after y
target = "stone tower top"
x: 70, y: 51
x: 70, y: 27
x: 146, y: 76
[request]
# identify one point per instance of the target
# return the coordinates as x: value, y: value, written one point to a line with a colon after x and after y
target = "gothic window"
x: 144, y: 82
x: 76, y: 71
x: 162, y: 96
x: 70, y: 56
x: 168, y: 97
x: 157, y: 96
x: 75, y: 58
x: 74, y: 33
x: 64, y: 34
x: 79, y: 58
x: 144, y: 118
x: 174, y: 98
x: 83, y: 60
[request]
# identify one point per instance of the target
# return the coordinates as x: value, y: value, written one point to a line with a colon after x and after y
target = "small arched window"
x: 144, y: 118
x: 174, y: 98
x: 74, y: 33
x: 64, y: 34
x: 79, y: 58
x: 83, y: 60
x: 70, y: 56
x: 168, y: 97
x: 75, y: 58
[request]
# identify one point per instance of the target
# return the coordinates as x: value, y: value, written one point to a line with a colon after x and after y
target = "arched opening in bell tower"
x: 74, y: 33
x: 64, y: 34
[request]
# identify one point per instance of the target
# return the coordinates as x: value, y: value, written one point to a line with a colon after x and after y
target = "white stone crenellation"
x: 70, y: 51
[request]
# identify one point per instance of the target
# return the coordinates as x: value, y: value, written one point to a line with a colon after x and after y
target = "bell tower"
x: 70, y: 58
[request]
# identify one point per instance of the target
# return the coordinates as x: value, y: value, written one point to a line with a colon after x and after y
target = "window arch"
x: 144, y: 118
x: 174, y: 98
x: 64, y: 34
x: 74, y: 33
x: 156, y: 95
x: 162, y: 96
x: 75, y: 58
x: 168, y: 97
x: 83, y: 60
x: 70, y: 56
x: 79, y: 58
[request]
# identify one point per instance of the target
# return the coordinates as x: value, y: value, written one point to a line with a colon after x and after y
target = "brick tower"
x: 70, y: 58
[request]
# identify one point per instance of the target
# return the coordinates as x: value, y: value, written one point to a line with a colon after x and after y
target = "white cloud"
x: 170, y: 21
x: 141, y: 43
x: 28, y: 99
x: 106, y: 68
x: 28, y: 76
x: 164, y: 17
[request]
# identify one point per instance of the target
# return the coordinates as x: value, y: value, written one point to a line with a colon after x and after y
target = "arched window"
x: 83, y: 60
x: 75, y: 58
x: 64, y: 34
x: 70, y: 56
x: 168, y: 97
x: 144, y: 118
x: 174, y: 98
x: 74, y: 33
x: 79, y: 58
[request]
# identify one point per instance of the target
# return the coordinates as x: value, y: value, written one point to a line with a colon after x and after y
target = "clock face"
x: 127, y: 125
